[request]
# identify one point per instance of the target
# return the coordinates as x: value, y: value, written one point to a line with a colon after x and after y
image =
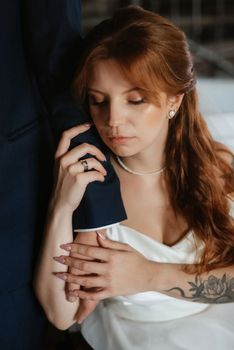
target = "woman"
x: 173, y: 262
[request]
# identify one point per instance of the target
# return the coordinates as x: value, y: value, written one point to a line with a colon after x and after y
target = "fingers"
x: 81, y: 257
x: 114, y: 245
x: 85, y: 178
x: 90, y: 251
x: 80, y: 151
x: 85, y: 309
x: 92, y: 163
x: 84, y: 281
x: 70, y: 287
x: 93, y: 295
x: 67, y: 135
x: 67, y: 158
x: 84, y: 265
x: 100, y: 253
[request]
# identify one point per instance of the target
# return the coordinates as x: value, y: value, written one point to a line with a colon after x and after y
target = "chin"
x: 123, y: 152
x: 121, y: 149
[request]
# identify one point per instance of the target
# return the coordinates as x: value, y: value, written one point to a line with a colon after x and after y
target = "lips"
x: 120, y: 139
x: 118, y: 136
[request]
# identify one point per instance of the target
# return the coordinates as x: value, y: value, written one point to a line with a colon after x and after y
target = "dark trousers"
x: 79, y: 342
x: 64, y: 340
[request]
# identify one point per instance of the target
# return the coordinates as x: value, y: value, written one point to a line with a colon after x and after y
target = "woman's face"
x: 127, y: 123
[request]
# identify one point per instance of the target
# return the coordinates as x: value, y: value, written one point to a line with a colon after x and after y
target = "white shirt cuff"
x: 95, y: 228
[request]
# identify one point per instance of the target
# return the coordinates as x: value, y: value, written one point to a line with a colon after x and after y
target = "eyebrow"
x: 125, y: 92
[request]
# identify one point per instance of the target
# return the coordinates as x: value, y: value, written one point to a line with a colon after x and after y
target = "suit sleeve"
x: 54, y: 43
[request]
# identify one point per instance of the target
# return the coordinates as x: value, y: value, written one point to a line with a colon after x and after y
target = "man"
x: 40, y: 46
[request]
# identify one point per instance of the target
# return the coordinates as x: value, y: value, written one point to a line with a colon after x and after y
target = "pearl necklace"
x: 154, y: 172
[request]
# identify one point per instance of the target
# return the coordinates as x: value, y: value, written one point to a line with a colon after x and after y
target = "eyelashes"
x: 137, y: 102
x: 93, y: 102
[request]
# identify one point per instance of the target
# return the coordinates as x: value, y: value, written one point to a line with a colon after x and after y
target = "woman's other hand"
x: 71, y: 175
x: 118, y: 269
x: 86, y: 307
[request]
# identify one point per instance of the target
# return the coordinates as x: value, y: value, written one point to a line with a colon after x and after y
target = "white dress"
x: 154, y: 321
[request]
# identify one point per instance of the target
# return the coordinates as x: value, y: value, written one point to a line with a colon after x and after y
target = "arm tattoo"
x: 213, y: 290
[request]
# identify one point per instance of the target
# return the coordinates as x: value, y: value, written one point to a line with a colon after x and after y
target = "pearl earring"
x: 171, y: 113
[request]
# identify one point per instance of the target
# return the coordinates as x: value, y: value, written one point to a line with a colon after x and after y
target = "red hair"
x: 154, y: 54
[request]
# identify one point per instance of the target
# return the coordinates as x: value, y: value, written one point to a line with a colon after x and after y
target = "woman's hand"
x: 72, y: 177
x: 118, y: 269
x: 86, y: 307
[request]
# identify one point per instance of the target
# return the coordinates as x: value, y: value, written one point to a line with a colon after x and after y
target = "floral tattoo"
x: 214, y: 290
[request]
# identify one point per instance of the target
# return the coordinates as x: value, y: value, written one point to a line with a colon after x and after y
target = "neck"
x: 137, y: 172
x: 146, y: 161
x: 141, y: 165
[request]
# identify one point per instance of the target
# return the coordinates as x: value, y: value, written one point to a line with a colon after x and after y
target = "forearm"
x: 216, y: 286
x: 125, y: 271
x: 89, y: 238
x: 49, y: 289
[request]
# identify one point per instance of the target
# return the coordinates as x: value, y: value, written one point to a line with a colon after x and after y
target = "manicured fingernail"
x: 87, y: 125
x: 66, y: 247
x: 59, y: 259
x: 100, y: 235
x: 62, y: 276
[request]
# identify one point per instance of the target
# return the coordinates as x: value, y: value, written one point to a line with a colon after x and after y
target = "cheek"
x: 153, y: 117
x: 97, y: 117
x: 153, y: 126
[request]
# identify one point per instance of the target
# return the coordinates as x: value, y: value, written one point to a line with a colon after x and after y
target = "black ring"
x: 85, y: 165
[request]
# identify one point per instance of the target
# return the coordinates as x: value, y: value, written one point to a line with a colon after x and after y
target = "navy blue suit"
x: 40, y: 45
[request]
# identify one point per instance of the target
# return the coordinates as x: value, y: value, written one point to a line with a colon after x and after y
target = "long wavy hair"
x: 154, y: 54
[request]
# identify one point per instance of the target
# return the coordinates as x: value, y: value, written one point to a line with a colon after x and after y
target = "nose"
x: 115, y: 115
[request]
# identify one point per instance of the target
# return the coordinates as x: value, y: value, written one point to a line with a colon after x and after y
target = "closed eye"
x: 94, y: 102
x: 97, y: 103
x: 137, y: 102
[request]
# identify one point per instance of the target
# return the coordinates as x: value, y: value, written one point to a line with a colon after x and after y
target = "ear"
x: 175, y: 101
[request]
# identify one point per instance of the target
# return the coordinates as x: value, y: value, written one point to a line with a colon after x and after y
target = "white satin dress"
x: 154, y: 321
